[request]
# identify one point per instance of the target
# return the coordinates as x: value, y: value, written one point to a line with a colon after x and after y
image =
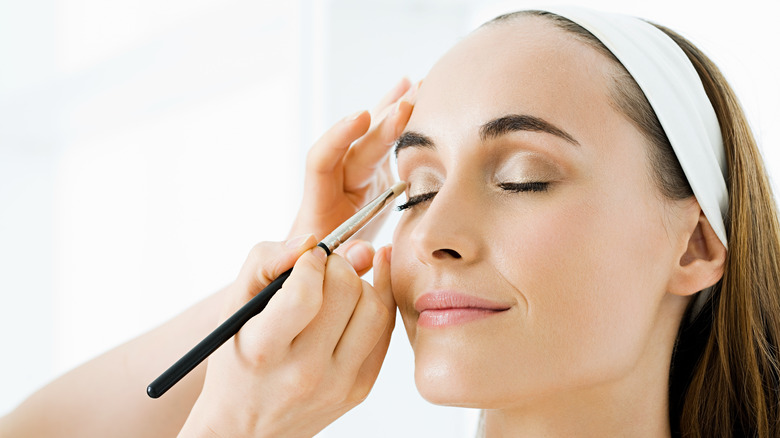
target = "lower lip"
x: 450, y: 317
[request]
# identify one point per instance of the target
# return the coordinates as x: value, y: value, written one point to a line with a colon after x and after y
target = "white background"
x: 146, y: 145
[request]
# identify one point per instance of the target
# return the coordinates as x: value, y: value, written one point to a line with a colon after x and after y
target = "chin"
x: 450, y: 382
x: 467, y: 367
x: 479, y: 379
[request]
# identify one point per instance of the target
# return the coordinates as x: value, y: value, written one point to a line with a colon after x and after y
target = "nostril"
x: 443, y: 253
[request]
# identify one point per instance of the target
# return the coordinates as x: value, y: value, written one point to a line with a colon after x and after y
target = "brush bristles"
x: 399, y: 188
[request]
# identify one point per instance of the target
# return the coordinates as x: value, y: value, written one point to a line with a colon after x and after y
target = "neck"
x: 591, y: 413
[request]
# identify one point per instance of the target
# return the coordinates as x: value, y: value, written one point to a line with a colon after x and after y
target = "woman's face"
x: 540, y: 266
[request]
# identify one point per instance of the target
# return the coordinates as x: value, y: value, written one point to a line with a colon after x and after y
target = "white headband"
x: 674, y: 90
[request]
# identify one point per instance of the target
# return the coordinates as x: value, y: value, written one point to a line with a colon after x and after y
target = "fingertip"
x: 359, y: 126
x: 400, y: 88
x: 319, y: 253
x: 300, y: 242
x: 328, y: 152
x: 411, y: 94
x: 314, y: 259
x: 354, y: 116
x: 400, y: 117
x: 387, y: 252
x: 382, y: 280
x: 358, y: 123
x: 405, y: 82
x: 403, y: 109
x: 415, y: 89
x: 360, y: 255
x: 359, y: 118
x: 381, y: 260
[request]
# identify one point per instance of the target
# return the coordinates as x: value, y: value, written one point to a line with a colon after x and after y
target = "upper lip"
x: 443, y: 299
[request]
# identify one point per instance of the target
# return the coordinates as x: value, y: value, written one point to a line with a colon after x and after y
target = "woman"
x: 556, y: 265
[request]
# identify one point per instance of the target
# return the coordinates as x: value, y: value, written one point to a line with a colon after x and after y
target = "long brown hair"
x: 725, y: 370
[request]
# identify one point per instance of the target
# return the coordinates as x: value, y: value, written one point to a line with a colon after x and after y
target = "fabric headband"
x: 674, y: 90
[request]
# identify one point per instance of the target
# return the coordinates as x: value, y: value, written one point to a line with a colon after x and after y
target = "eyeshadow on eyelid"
x: 420, y: 189
x: 421, y: 186
x: 524, y: 167
x: 423, y: 179
x: 515, y: 167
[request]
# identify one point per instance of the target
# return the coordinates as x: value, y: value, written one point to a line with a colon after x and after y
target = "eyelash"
x: 510, y: 187
x: 414, y: 200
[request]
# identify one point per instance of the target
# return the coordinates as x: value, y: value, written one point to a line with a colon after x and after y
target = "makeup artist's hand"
x: 310, y: 356
x: 350, y: 165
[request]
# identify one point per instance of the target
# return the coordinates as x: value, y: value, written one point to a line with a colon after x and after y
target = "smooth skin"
x: 106, y: 396
x: 595, y: 271
x: 314, y: 354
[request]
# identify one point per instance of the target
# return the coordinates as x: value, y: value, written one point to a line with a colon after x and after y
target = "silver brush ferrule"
x: 361, y: 218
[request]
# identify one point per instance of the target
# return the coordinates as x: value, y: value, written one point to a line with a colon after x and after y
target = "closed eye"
x: 416, y: 199
x: 535, y: 186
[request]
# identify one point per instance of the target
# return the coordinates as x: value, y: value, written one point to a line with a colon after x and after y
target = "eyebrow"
x: 493, y: 129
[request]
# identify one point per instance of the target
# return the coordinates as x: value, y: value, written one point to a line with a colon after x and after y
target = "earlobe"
x: 702, y: 263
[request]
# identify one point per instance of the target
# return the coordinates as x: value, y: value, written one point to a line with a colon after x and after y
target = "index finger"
x: 289, y: 311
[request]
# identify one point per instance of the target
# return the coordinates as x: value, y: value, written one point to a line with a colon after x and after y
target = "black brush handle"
x: 215, y: 339
x: 219, y: 336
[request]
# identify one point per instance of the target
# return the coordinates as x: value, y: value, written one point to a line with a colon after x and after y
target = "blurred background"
x: 146, y: 145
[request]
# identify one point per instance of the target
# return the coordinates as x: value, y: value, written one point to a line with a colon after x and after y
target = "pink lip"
x: 446, y: 308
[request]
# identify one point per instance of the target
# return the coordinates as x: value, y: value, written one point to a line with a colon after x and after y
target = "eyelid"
x: 422, y: 172
x: 422, y: 182
x: 526, y: 166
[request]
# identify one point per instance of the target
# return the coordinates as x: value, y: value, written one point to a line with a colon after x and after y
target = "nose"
x: 450, y: 229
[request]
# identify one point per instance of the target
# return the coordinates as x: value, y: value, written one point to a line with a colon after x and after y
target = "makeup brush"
x: 256, y: 305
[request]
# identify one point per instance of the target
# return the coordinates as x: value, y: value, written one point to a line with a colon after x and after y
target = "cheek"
x: 402, y: 274
x: 585, y: 268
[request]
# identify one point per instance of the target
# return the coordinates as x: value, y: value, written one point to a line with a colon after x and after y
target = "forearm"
x: 107, y: 395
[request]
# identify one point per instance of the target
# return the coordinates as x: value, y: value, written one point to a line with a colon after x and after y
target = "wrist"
x: 193, y: 430
x: 198, y: 425
x: 208, y: 421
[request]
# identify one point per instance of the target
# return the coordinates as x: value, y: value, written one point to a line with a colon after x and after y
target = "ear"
x: 702, y: 263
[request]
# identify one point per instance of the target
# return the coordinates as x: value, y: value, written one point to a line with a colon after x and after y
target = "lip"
x: 448, y: 308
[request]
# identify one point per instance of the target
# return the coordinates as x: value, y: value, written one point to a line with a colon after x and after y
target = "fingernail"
x: 355, y: 116
x: 297, y: 241
x: 320, y: 254
x: 400, y: 83
x: 396, y: 108
x: 412, y: 95
x: 357, y: 256
x: 388, y: 252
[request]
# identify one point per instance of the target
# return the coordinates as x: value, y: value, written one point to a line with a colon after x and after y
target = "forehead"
x: 523, y: 66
